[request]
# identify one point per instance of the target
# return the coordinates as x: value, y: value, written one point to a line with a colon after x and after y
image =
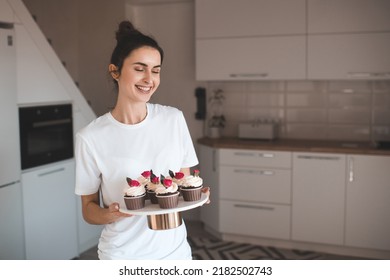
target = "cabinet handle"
x: 319, y: 157
x: 246, y: 154
x: 51, y: 172
x: 254, y: 207
x: 9, y: 184
x: 249, y: 75
x: 259, y: 172
x: 369, y: 74
x: 266, y: 155
x: 351, y: 175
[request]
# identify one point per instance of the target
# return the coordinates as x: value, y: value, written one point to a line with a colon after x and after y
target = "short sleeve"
x: 190, y: 159
x: 87, y: 172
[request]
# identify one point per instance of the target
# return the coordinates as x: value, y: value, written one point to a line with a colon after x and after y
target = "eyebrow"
x: 145, y: 65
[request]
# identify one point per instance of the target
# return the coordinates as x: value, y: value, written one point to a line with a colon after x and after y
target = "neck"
x: 130, y: 114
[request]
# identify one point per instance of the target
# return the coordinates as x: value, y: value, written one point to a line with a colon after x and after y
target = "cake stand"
x: 161, y: 219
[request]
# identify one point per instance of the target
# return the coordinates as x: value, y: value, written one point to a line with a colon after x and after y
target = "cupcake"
x: 178, y: 178
x: 192, y: 187
x: 134, y: 195
x: 151, y: 188
x: 144, y: 179
x: 168, y: 194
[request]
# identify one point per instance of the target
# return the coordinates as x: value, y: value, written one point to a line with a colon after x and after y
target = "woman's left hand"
x: 206, y: 190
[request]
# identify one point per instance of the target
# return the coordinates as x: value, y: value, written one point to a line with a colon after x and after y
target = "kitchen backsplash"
x: 333, y: 110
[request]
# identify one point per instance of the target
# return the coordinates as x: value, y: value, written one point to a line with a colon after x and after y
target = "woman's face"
x: 140, y: 75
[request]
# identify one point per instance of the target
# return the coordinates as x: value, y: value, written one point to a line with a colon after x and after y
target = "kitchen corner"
x: 329, y: 196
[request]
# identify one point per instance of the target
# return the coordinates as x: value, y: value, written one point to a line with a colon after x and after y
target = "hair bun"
x: 126, y: 29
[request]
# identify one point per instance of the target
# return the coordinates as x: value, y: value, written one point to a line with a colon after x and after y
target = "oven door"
x: 46, y: 135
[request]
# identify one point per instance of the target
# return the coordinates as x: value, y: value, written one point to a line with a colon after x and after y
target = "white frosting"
x: 152, y: 187
x: 143, y: 181
x: 135, y: 191
x: 163, y: 190
x: 193, y: 181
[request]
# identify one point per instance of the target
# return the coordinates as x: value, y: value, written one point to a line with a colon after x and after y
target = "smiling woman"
x: 135, y: 136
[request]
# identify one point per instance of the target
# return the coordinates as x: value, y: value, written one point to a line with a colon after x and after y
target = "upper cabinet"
x: 6, y: 12
x: 250, y: 39
x: 291, y: 40
x: 340, y: 16
x: 348, y: 39
x: 246, y: 18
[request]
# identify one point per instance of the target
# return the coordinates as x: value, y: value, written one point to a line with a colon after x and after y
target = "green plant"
x: 217, y: 121
x: 216, y: 101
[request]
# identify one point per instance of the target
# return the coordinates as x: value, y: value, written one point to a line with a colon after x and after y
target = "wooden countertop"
x: 314, y: 146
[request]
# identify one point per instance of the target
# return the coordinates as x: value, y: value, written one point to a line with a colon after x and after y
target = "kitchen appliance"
x: 257, y: 130
x: 46, y: 134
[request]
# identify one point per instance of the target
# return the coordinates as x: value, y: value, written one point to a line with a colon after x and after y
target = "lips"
x: 144, y: 89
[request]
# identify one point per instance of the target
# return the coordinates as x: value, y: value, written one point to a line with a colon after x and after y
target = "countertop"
x: 314, y: 146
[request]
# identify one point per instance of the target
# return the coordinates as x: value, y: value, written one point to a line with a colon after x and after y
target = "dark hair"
x: 129, y: 39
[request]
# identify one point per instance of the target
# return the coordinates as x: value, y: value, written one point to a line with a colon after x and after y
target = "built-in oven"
x: 46, y: 134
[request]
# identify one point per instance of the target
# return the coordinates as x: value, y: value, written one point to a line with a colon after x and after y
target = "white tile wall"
x: 334, y: 110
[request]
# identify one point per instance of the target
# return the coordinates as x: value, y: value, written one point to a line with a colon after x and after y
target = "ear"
x: 114, y: 71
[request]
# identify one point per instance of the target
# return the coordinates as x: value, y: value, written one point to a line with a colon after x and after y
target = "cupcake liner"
x: 168, y: 201
x: 191, y: 194
x: 152, y: 197
x: 135, y: 202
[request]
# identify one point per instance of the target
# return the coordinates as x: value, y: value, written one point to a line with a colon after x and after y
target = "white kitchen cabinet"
x: 348, y: 39
x: 208, y: 162
x: 335, y: 16
x: 368, y: 202
x: 11, y: 215
x: 11, y: 219
x: 255, y: 58
x: 318, y: 187
x: 349, y: 56
x: 248, y: 18
x: 255, y: 192
x: 250, y: 40
x: 6, y: 12
x: 50, y: 218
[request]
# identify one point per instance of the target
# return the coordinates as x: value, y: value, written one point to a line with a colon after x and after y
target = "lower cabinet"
x: 318, y: 202
x: 50, y: 218
x: 368, y: 202
x: 326, y: 199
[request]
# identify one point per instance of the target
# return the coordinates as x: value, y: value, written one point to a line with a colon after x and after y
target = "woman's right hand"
x: 114, y: 214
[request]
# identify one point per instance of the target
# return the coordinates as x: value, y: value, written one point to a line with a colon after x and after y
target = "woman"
x: 135, y: 136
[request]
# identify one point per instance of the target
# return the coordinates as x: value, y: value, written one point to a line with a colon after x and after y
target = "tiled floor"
x: 195, y: 229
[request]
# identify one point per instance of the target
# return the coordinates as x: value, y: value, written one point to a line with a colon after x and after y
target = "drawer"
x: 255, y: 158
x: 255, y: 184
x: 254, y: 219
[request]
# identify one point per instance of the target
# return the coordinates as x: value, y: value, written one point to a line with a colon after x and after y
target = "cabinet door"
x: 368, y: 202
x: 50, y: 217
x: 255, y: 184
x: 335, y: 16
x: 6, y: 13
x: 255, y: 219
x: 9, y: 121
x: 263, y: 58
x: 246, y: 18
x: 349, y: 56
x: 11, y: 219
x: 318, y: 201
x: 209, y: 166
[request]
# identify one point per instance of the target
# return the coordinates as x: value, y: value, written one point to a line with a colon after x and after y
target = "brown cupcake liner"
x: 152, y: 197
x: 135, y: 202
x: 168, y: 201
x: 191, y: 194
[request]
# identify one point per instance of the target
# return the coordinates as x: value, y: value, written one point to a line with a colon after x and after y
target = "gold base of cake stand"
x: 164, y: 221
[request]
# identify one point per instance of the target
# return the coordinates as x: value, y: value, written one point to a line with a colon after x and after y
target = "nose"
x: 147, y: 78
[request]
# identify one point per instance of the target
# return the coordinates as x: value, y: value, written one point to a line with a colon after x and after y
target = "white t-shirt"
x: 108, y: 151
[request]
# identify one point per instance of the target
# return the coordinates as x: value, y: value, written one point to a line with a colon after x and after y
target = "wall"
x: 333, y: 110
x: 82, y: 34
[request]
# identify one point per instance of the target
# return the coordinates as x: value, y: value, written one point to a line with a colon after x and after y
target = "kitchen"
x: 324, y: 106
